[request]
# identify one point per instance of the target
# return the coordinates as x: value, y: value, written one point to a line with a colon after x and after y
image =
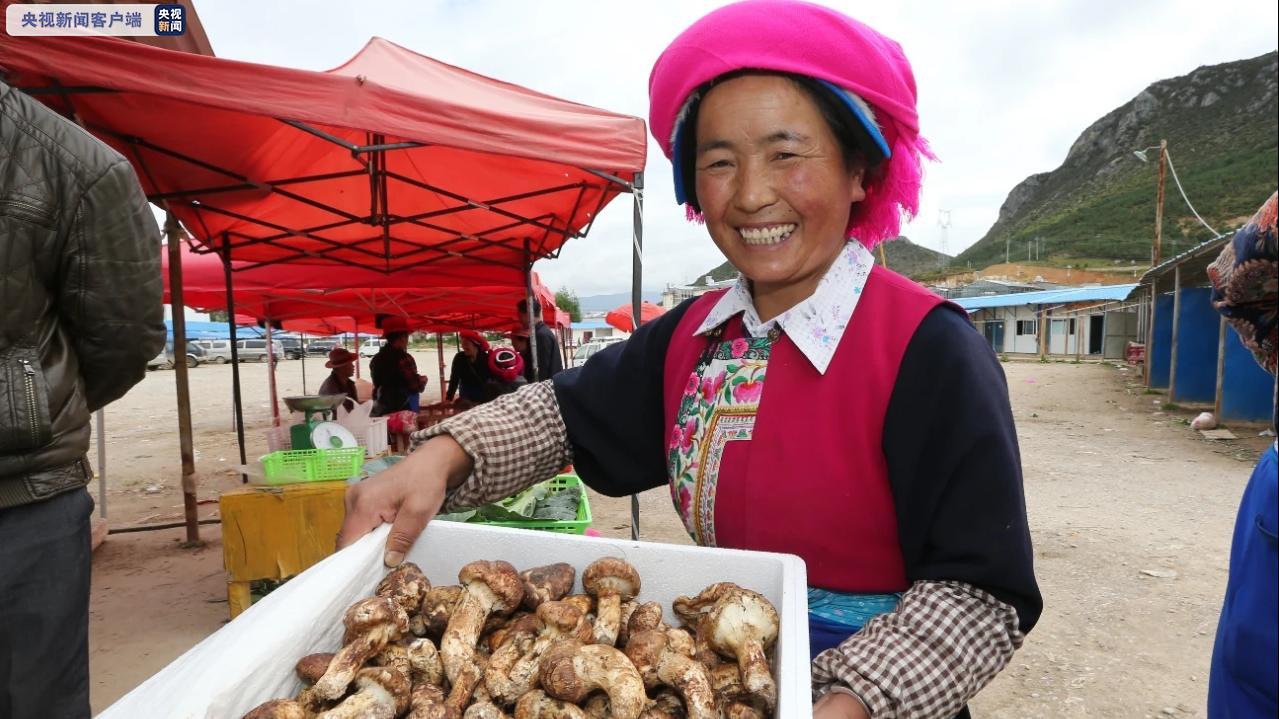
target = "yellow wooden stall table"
x: 277, y: 532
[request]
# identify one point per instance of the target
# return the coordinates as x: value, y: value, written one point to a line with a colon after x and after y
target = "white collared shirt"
x: 815, y: 325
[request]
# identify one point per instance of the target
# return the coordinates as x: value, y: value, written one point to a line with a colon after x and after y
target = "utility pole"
x: 943, y: 221
x: 1007, y: 240
x: 1159, y: 204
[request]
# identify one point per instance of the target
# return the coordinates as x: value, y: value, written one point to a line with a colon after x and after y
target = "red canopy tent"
x: 392, y: 161
x: 281, y: 294
x: 623, y: 317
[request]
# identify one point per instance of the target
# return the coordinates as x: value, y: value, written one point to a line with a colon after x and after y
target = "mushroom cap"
x: 392, y: 682
x: 547, y: 584
x: 561, y: 617
x: 519, y: 625
x: 558, y: 674
x: 691, y: 609
x: 500, y: 577
x: 406, y: 584
x: 611, y: 575
x: 645, y: 650
x: 278, y: 709
x: 646, y: 616
x: 372, y: 612
x: 585, y: 603
x: 313, y: 666
x: 740, y: 617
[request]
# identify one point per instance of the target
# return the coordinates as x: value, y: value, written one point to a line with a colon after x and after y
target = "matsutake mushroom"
x: 371, y: 624
x: 665, y: 658
x: 537, y: 705
x: 484, y: 710
x: 427, y: 702
x: 550, y: 583
x: 382, y: 694
x: 437, y: 608
x: 570, y: 671
x: 557, y: 621
x: 743, y: 625
x: 406, y: 585
x: 611, y: 581
x: 488, y: 588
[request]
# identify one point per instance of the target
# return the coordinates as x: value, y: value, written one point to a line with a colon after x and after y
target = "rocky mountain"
x: 1220, y: 124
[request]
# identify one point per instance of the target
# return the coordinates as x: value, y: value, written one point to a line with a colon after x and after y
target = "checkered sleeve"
x: 515, y: 441
x: 927, y: 659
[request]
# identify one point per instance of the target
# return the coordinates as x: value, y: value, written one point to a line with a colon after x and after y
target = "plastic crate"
x: 563, y: 526
x: 333, y: 464
x: 312, y: 465
x: 289, y: 466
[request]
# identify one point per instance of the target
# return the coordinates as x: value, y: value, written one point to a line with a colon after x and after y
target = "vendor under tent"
x: 390, y: 162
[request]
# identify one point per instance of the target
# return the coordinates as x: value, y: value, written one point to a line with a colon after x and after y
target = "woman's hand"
x: 408, y: 495
x: 838, y: 705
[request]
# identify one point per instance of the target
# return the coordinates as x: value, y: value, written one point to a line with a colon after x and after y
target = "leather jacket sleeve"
x: 110, y: 298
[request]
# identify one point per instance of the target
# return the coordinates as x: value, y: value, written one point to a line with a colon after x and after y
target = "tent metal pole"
x: 173, y: 235
x: 270, y: 370
x: 236, y: 403
x: 439, y: 348
x: 302, y: 358
x: 528, y: 295
x: 357, y: 350
x: 637, y: 278
x: 1221, y: 368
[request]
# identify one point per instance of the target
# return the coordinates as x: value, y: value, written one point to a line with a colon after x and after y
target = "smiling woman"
x: 823, y: 406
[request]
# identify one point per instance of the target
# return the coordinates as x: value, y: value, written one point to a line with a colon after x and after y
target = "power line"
x: 1177, y: 180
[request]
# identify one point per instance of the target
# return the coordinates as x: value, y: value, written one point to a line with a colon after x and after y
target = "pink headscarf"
x: 805, y: 39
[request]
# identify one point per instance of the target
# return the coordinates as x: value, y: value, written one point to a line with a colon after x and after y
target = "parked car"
x: 256, y: 351
x: 292, y: 347
x: 371, y: 347
x: 584, y: 352
x: 320, y: 347
x: 165, y: 360
x: 217, y: 351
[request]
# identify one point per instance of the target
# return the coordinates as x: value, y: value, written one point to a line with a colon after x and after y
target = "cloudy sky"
x: 1005, y: 86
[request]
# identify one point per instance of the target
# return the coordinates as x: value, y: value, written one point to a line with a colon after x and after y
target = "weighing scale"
x: 319, y: 411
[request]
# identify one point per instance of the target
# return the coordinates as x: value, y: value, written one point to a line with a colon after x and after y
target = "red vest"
x: 813, y: 480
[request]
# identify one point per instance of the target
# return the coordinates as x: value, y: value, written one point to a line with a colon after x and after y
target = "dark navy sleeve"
x: 613, y: 411
x: 955, y: 469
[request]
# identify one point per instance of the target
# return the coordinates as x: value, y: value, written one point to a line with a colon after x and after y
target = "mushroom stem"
x: 757, y: 679
x: 427, y: 702
x: 665, y: 659
x: 570, y: 671
x: 382, y: 694
x: 537, y: 705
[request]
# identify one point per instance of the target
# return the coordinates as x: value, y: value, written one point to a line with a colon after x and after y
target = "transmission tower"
x: 943, y: 221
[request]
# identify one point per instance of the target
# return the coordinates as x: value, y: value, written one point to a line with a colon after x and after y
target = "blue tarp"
x: 1061, y: 296
x: 213, y: 330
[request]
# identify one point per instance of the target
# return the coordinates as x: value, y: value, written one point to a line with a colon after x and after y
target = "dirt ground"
x: 1131, y: 513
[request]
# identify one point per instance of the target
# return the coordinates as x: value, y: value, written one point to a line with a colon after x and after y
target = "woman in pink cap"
x: 470, y: 370
x: 824, y: 406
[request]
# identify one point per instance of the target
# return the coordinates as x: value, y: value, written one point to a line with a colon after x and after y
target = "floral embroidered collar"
x: 815, y: 325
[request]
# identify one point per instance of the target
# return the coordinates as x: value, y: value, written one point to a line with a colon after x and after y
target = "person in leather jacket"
x: 80, y: 316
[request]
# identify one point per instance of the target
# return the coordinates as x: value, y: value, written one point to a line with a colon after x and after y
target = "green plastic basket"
x: 563, y: 526
x: 312, y: 465
x: 332, y: 464
x: 289, y: 466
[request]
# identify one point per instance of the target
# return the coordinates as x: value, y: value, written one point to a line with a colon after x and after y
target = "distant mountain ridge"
x: 1221, y: 125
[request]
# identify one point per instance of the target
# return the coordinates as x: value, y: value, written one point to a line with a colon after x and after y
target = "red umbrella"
x: 621, y: 317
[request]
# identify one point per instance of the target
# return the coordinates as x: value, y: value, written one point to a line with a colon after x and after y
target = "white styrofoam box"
x: 250, y: 660
x: 375, y: 436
